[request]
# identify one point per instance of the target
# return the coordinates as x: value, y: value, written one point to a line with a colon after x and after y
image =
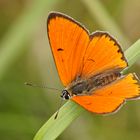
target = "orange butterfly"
x: 90, y: 65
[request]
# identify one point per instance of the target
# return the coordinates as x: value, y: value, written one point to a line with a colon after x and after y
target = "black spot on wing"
x: 91, y: 60
x: 110, y: 93
x: 60, y: 49
x: 62, y: 60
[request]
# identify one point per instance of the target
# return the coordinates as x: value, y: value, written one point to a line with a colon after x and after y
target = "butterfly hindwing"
x: 109, y: 98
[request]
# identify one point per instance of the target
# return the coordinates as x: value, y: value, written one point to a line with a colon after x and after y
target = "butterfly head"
x: 65, y: 95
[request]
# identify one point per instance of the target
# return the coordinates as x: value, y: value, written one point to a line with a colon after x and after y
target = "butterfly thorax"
x: 87, y: 86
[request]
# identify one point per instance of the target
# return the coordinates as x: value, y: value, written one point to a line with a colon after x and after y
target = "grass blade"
x: 132, y: 54
x: 54, y: 127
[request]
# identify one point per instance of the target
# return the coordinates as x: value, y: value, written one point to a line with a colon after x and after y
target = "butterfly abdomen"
x: 102, y: 80
x: 87, y: 86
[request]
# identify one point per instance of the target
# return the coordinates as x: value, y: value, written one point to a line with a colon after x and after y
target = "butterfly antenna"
x: 56, y: 115
x: 41, y: 86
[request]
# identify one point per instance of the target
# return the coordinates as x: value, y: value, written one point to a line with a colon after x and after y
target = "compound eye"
x: 65, y: 95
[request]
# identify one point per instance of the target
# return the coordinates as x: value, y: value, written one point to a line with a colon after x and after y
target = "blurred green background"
x: 25, y: 57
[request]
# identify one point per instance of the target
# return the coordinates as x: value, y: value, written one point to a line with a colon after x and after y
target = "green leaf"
x: 54, y: 127
x: 70, y: 111
x: 132, y: 54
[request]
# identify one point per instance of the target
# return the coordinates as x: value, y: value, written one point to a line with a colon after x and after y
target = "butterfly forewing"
x: 68, y: 40
x: 103, y: 53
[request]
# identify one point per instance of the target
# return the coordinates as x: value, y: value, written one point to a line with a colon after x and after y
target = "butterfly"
x: 90, y: 66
